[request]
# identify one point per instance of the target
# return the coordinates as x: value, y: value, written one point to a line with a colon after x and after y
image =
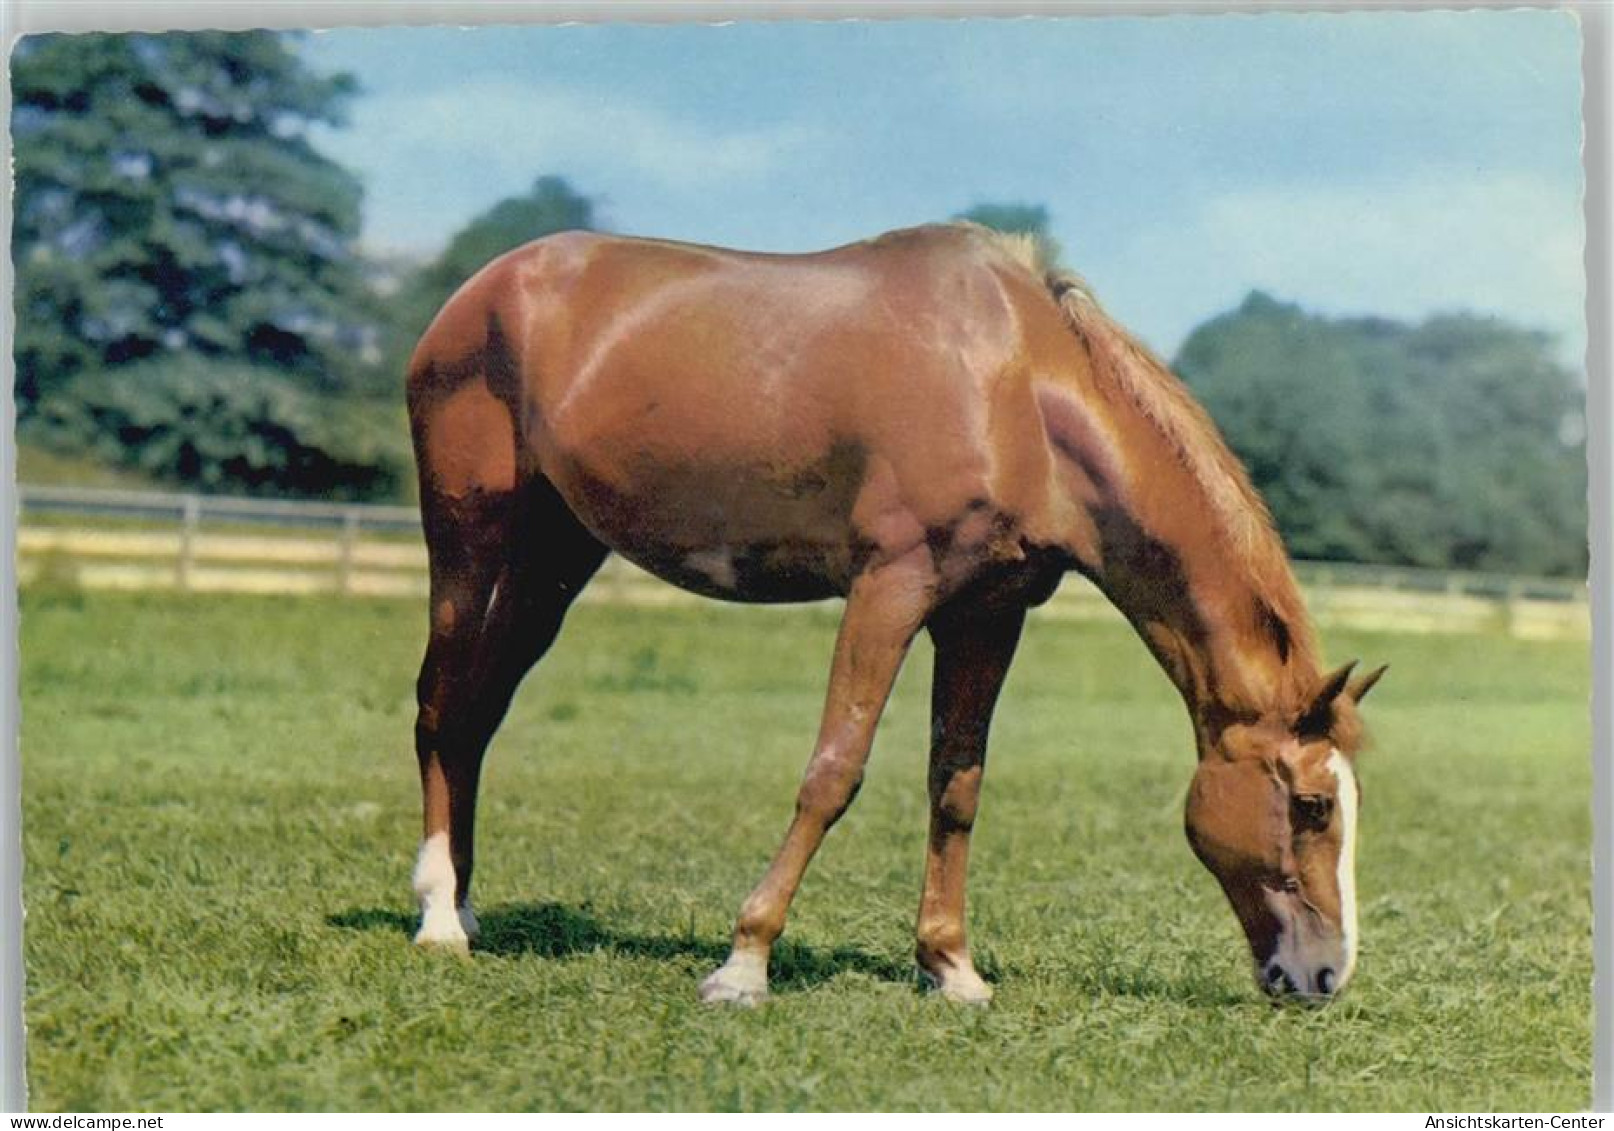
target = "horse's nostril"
x: 1276, y: 980
x: 1325, y: 980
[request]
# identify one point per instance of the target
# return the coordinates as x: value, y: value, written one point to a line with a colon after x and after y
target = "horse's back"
x: 750, y: 349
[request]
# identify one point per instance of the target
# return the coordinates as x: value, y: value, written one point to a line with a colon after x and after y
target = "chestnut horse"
x: 929, y: 424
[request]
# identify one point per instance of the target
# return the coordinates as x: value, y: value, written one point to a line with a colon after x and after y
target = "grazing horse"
x: 929, y: 424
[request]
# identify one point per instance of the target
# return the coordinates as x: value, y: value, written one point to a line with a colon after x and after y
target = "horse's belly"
x: 759, y: 573
x: 739, y: 536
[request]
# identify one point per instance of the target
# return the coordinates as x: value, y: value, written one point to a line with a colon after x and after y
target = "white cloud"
x: 504, y: 133
x: 1509, y: 245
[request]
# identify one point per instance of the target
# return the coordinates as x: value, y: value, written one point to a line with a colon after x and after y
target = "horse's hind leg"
x: 504, y: 569
x: 972, y: 659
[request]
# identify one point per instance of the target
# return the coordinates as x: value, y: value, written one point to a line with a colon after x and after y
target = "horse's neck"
x: 1206, y: 633
x: 1222, y: 617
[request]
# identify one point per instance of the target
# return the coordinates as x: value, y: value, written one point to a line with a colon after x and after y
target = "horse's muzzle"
x: 1315, y: 986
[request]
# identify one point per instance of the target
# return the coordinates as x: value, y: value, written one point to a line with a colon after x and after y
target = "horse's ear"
x: 1333, y: 683
x: 1318, y: 717
x: 1360, y: 687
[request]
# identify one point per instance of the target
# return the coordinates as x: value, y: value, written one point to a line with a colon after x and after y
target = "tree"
x: 1024, y: 219
x: 223, y: 426
x: 551, y: 205
x: 170, y: 207
x: 1446, y: 444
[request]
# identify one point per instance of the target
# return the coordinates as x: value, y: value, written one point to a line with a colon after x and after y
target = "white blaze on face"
x: 1304, y: 952
x: 1347, y: 800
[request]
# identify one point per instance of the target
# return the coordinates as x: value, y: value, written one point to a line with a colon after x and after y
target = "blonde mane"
x: 1123, y: 363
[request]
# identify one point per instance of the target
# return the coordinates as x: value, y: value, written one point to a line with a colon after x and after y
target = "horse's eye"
x: 1312, y: 810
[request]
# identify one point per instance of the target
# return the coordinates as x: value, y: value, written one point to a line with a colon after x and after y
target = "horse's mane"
x: 1126, y: 365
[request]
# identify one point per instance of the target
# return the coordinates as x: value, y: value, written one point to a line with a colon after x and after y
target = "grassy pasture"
x: 221, y: 808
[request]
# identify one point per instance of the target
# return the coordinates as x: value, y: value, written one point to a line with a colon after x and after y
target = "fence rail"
x: 141, y: 540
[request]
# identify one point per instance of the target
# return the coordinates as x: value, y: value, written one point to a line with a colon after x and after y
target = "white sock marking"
x: 440, y: 921
x: 743, y: 978
x: 746, y: 968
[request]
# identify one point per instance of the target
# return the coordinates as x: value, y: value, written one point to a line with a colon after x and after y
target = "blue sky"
x: 1390, y: 163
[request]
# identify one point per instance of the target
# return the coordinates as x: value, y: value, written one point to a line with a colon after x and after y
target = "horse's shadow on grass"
x: 555, y: 930
x: 559, y: 931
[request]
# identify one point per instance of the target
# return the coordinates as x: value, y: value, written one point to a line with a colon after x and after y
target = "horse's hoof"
x: 963, y: 987
x: 458, y: 947
x: 720, y: 993
x: 976, y: 992
x: 727, y: 986
x: 447, y: 934
x: 452, y: 934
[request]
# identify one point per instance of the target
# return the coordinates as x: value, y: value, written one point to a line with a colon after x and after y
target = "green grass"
x: 221, y: 810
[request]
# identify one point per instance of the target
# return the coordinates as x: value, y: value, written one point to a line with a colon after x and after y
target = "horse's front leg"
x: 972, y: 658
x: 883, y: 612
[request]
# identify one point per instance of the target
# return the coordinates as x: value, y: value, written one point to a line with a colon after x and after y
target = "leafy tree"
x: 1447, y: 444
x: 1025, y: 219
x: 551, y: 205
x: 170, y: 208
x: 222, y: 425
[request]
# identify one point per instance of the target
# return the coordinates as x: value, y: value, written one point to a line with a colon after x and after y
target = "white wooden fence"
x: 147, y: 540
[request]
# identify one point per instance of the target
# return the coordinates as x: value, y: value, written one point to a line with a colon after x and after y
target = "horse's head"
x: 1272, y: 813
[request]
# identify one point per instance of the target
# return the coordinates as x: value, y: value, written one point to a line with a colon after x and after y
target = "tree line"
x: 191, y: 304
